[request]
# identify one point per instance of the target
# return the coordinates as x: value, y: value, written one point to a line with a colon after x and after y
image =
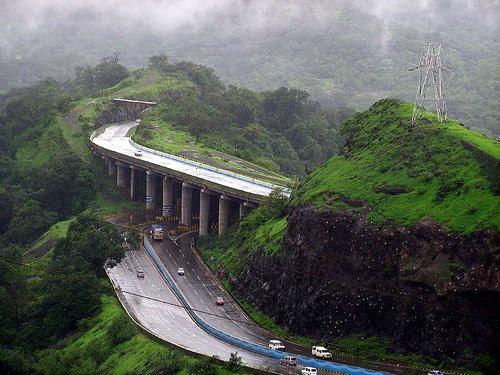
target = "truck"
x: 157, y: 232
x: 321, y: 352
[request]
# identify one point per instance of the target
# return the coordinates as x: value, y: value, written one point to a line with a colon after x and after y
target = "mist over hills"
x: 343, y: 53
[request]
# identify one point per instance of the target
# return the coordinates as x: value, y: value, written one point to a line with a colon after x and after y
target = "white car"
x: 321, y: 352
x: 276, y: 345
x: 309, y: 371
x: 180, y: 271
x: 435, y: 372
x: 138, y: 153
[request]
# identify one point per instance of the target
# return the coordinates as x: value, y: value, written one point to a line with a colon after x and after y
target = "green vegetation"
x: 111, y: 344
x: 57, y: 315
x: 405, y: 173
x: 259, y: 134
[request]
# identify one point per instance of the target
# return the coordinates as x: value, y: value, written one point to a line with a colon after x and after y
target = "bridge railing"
x: 210, y: 168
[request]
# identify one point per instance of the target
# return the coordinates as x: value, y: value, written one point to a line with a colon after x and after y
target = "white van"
x: 321, y: 352
x: 309, y: 371
x: 276, y: 345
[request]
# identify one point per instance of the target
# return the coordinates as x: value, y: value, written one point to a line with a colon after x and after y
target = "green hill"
x: 406, y: 173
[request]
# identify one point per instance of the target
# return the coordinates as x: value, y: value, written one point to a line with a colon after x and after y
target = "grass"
x: 440, y: 178
x: 92, y: 351
x: 56, y: 231
x: 268, y: 236
x: 163, y: 136
x: 40, y: 150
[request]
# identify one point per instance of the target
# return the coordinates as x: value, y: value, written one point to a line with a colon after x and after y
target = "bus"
x: 157, y: 232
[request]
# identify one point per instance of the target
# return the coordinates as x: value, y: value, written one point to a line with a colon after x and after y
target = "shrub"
x: 204, y: 366
x: 121, y: 329
x: 235, y: 362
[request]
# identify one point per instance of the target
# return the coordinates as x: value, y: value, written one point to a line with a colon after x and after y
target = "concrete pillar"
x: 121, y: 174
x: 133, y: 182
x: 150, y: 190
x: 168, y: 196
x: 111, y: 167
x: 223, y: 214
x: 204, y: 211
x: 186, y: 204
x: 243, y: 209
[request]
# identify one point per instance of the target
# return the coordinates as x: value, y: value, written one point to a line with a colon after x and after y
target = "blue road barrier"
x: 258, y: 349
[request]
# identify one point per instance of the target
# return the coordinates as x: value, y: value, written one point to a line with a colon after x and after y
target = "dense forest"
x: 282, y: 130
x: 343, y: 53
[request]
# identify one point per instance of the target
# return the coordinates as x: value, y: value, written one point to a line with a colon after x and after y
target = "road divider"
x: 258, y: 349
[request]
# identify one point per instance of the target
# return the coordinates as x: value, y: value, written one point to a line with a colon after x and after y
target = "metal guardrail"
x: 258, y: 349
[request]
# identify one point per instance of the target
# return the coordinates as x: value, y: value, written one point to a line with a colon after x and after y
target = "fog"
x: 342, y: 51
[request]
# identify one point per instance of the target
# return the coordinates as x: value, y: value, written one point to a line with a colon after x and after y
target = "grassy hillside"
x: 405, y: 173
x: 112, y: 344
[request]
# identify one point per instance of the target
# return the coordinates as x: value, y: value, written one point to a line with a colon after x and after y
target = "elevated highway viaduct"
x: 177, y: 186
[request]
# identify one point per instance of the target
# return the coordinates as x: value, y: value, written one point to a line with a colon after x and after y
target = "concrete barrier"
x: 258, y: 349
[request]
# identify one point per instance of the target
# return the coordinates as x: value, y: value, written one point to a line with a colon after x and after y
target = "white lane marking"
x: 198, y: 277
x: 195, y: 292
x: 202, y: 301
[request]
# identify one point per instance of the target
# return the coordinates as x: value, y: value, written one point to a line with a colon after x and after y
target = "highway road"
x: 200, y: 288
x: 168, y: 322
x: 114, y: 138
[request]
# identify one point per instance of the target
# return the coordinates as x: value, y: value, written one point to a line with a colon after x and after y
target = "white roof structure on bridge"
x: 133, y: 101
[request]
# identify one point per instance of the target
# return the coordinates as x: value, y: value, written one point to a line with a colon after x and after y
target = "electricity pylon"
x: 431, y: 68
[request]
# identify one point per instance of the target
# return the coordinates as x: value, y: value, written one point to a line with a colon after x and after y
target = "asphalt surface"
x: 115, y: 138
x: 200, y: 288
x: 168, y: 322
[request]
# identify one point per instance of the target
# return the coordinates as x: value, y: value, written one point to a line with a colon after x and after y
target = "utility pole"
x: 431, y: 68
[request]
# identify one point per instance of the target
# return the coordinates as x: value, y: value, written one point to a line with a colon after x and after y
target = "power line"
x: 186, y: 308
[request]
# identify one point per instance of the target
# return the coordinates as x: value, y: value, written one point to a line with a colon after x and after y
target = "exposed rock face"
x: 114, y: 114
x: 431, y: 291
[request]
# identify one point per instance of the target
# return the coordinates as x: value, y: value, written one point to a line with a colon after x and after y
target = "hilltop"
x: 384, y: 250
x: 265, y: 135
x: 394, y: 171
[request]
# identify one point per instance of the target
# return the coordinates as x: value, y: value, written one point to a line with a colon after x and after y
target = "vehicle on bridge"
x: 219, y: 301
x: 140, y: 273
x: 276, y: 345
x: 309, y: 371
x: 321, y: 352
x: 138, y: 153
x: 180, y: 271
x: 156, y: 232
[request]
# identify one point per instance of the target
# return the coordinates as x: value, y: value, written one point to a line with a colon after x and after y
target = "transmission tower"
x: 431, y: 68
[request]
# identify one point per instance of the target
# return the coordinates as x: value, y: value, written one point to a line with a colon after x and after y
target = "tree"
x: 235, y: 362
x: 14, y: 294
x: 204, y: 366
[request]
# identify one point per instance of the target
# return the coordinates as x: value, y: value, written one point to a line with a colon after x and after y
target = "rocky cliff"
x: 429, y: 290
